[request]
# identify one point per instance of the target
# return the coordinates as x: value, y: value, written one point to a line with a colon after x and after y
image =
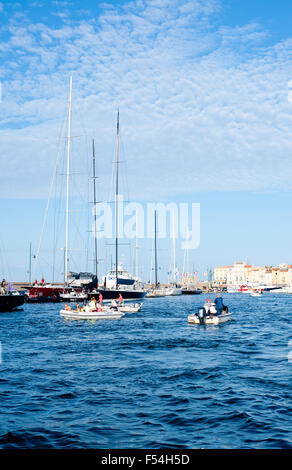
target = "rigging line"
x: 47, y: 206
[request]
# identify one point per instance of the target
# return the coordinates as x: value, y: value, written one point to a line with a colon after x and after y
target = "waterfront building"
x: 241, y: 273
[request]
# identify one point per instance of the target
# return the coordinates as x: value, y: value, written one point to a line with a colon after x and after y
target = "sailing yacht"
x: 118, y: 281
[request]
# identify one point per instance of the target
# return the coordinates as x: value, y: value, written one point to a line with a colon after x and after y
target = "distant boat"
x: 190, y: 291
x: 173, y: 290
x: 44, y: 293
x: 256, y: 294
x: 73, y: 296
x: 119, y: 282
x: 128, y: 308
x: 159, y: 292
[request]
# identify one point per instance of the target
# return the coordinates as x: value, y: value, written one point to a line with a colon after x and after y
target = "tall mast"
x: 94, y: 205
x: 136, y: 254
x: 117, y: 191
x: 155, y: 247
x: 67, y: 184
x: 173, y: 247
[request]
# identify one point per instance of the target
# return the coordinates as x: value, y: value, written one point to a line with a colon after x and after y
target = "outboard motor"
x: 201, y: 315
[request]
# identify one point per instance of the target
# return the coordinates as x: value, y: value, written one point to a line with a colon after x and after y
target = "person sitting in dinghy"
x: 114, y: 304
x: 207, y: 306
x: 92, y: 305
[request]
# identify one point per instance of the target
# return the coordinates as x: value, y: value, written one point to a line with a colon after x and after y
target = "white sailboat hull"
x: 173, y: 291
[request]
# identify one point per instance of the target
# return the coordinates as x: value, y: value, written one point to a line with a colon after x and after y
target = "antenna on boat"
x: 67, y: 184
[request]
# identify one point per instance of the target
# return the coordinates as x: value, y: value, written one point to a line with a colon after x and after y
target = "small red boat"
x: 40, y: 294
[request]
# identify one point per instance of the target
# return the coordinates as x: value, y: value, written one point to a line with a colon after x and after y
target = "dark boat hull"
x: 10, y: 302
x: 191, y: 291
x: 114, y: 294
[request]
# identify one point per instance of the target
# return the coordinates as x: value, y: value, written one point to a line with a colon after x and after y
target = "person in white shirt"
x: 92, y: 305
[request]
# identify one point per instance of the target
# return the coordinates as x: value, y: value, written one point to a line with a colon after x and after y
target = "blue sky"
x: 202, y: 88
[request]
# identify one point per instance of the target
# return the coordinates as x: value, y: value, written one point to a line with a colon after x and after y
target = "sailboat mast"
x: 173, y: 247
x: 155, y: 247
x: 136, y: 257
x: 94, y: 203
x: 117, y: 192
x: 67, y: 184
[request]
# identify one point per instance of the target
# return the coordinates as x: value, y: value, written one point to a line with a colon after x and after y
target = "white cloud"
x: 203, y: 106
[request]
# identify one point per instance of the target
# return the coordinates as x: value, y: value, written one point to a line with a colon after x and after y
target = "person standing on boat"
x: 219, y: 304
x: 121, y: 300
x: 100, y: 299
x: 3, y: 285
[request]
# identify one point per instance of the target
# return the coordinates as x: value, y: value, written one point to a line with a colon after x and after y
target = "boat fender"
x: 201, y: 315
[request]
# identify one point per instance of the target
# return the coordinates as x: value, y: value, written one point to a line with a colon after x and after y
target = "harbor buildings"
x: 242, y: 273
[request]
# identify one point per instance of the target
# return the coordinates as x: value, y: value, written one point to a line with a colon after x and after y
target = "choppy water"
x: 149, y: 380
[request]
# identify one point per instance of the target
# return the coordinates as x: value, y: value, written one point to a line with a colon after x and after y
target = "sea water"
x: 149, y: 380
